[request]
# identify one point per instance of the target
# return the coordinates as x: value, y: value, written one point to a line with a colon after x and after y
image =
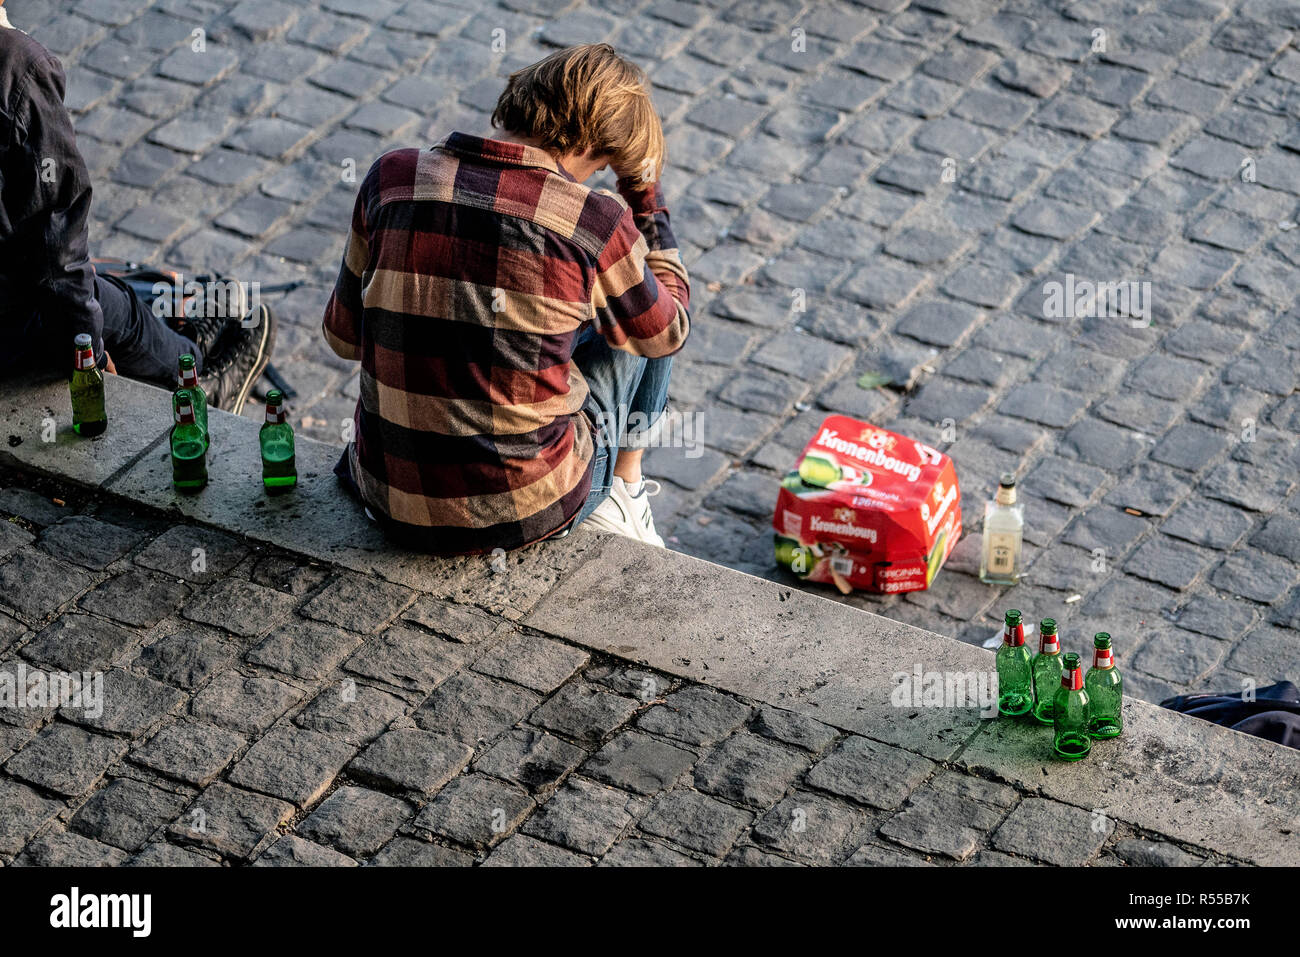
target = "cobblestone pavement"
x: 259, y: 707
x: 878, y: 187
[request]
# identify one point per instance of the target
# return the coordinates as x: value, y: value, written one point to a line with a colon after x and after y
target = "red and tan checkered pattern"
x: 469, y: 270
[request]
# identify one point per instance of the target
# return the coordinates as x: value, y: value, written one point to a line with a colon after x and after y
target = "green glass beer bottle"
x: 188, y: 378
x: 1071, y: 713
x: 1015, y: 676
x: 279, y: 467
x: 1047, y: 670
x: 87, y: 388
x: 1105, y: 690
x: 189, y: 453
x: 793, y: 556
x: 818, y: 471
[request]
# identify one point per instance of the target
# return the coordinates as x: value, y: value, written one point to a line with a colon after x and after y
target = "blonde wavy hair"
x: 587, y: 97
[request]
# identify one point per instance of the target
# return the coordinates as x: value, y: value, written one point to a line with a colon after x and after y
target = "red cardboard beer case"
x: 868, y: 509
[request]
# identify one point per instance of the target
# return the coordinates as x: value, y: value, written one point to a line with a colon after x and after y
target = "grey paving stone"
x: 293, y: 851
x: 1105, y: 527
x: 532, y: 661
x: 248, y: 705
x: 884, y: 285
x: 475, y: 811
x: 1171, y: 563
x: 1102, y: 444
x: 639, y: 763
x: 1055, y: 220
x: 939, y: 322
x: 355, y: 821
x: 406, y: 658
x: 639, y: 853
x: 584, y: 713
x: 191, y: 752
x: 1179, y: 656
x: 410, y: 852
x: 795, y: 729
x: 475, y: 709
x: 169, y: 855
x: 25, y: 811
x: 749, y: 770
x: 1266, y: 653
x: 358, y: 603
x: 1190, y: 446
x: 88, y: 542
x: 65, y: 759
x: 80, y: 643
x: 230, y: 821
x: 1255, y: 575
x: 584, y: 816
x: 520, y: 850
x: 186, y: 654
x: 1150, y: 490
x: 1052, y: 832
x: 135, y: 597
x: 1216, y: 616
x: 747, y: 855
x: 870, y: 773
x: 36, y: 585
x: 246, y: 609
x: 695, y: 715
x: 460, y: 623
x: 411, y: 760
x: 1248, y: 486
x: 943, y: 823
x: 305, y: 649
x: 357, y: 713
x: 193, y: 553
x: 1142, y: 853
x: 696, y: 821
x: 532, y: 759
x: 200, y: 69
x: 813, y: 828
x: 126, y: 813
x: 291, y: 763
x: 130, y: 704
x: 59, y: 848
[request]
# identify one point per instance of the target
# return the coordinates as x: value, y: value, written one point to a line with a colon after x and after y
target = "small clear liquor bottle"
x: 1004, y: 529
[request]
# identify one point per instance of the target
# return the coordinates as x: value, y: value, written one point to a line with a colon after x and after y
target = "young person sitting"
x: 515, y: 327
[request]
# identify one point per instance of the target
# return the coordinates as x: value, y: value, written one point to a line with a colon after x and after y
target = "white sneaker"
x: 626, y: 514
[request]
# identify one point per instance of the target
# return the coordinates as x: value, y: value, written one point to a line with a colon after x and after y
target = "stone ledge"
x: 1169, y: 773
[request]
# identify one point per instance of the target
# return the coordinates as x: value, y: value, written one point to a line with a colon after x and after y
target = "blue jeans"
x: 628, y: 394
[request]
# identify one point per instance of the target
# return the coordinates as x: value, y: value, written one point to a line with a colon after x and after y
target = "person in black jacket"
x: 49, y: 291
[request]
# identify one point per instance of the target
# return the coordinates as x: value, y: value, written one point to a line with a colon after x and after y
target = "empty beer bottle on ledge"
x: 189, y: 449
x: 188, y: 378
x: 1047, y: 670
x: 87, y: 388
x: 1071, y: 713
x: 1105, y: 690
x: 279, y: 466
x: 1015, y: 676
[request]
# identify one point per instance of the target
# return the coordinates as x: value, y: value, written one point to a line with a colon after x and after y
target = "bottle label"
x: 189, y: 378
x: 1002, y: 552
x: 1072, y: 680
x: 275, y: 415
x: 1103, y: 658
x: 185, y: 413
x: 1049, y: 644
x: 85, y: 359
x: 1015, y: 637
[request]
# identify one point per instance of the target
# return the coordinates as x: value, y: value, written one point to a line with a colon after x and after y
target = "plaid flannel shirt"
x: 469, y: 270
